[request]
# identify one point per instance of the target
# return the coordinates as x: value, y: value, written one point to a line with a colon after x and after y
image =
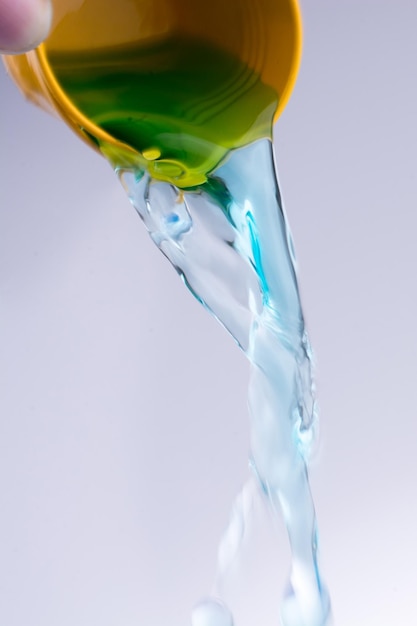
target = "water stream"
x: 229, y: 241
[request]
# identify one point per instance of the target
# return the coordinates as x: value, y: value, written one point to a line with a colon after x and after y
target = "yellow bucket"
x: 198, y: 78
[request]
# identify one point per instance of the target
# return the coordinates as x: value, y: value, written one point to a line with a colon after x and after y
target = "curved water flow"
x: 229, y: 240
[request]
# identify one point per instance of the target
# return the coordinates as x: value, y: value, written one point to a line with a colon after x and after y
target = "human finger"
x: 23, y: 24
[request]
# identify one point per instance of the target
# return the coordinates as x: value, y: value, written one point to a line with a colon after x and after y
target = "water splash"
x: 230, y: 242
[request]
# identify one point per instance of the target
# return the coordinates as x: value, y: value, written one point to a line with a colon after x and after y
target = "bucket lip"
x: 296, y: 59
x: 80, y: 122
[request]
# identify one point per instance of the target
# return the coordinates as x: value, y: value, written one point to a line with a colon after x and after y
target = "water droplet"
x: 211, y: 613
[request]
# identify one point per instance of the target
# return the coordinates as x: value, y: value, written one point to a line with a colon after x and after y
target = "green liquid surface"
x: 180, y: 104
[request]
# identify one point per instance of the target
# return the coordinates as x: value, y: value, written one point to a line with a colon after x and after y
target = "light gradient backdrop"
x: 123, y: 424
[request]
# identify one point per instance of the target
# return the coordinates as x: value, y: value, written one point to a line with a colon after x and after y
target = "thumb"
x: 23, y: 24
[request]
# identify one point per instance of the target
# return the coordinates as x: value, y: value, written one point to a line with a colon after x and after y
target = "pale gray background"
x: 107, y: 364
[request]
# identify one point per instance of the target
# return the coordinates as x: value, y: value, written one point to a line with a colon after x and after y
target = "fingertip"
x: 24, y: 24
x: 39, y: 27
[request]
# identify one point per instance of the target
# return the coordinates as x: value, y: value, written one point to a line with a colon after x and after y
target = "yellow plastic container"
x: 170, y: 85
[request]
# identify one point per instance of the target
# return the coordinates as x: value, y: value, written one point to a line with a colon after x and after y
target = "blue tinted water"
x: 229, y: 240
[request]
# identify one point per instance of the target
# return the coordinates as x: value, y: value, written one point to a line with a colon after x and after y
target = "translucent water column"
x: 229, y: 241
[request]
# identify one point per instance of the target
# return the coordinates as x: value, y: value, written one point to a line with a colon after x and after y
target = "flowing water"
x: 229, y: 241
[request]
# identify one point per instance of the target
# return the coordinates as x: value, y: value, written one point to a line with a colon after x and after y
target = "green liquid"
x: 181, y: 104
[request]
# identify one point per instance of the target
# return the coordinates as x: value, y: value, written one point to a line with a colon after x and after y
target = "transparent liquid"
x: 229, y: 241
